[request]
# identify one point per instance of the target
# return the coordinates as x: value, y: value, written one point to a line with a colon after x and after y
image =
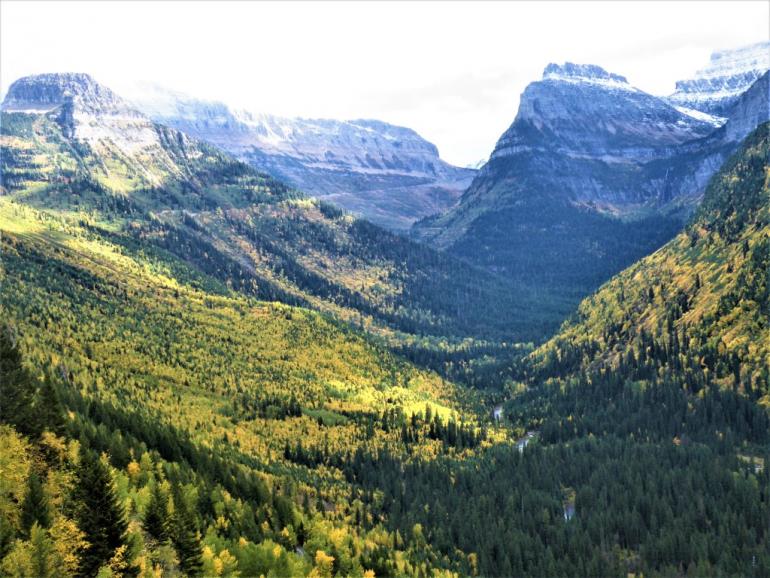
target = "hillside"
x: 113, y: 167
x: 386, y: 174
x: 246, y: 409
x: 252, y: 437
x: 592, y: 175
x: 690, y: 321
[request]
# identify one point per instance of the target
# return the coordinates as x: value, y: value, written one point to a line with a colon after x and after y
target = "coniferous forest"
x: 205, y: 372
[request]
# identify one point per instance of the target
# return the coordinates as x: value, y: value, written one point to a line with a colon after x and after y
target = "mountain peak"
x: 729, y: 73
x: 591, y: 73
x: 44, y: 92
x: 753, y: 57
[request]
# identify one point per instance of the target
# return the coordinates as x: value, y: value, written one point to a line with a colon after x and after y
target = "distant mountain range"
x: 388, y: 174
x: 592, y: 175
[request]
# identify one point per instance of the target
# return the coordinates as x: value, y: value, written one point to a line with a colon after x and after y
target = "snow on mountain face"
x: 386, y: 173
x: 478, y: 164
x: 87, y: 110
x: 729, y: 74
x: 586, y: 74
x: 586, y: 111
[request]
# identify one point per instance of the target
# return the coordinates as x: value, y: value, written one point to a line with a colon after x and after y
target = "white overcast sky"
x: 453, y: 71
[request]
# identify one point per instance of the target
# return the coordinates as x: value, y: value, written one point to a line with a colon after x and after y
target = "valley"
x: 236, y: 344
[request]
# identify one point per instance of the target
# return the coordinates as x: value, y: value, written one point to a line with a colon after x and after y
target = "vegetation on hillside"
x: 182, y: 395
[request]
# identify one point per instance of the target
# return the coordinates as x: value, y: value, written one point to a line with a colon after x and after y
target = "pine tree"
x: 42, y: 554
x: 185, y: 535
x: 34, y: 509
x: 156, y: 518
x: 17, y: 388
x: 100, y: 515
x: 49, y: 409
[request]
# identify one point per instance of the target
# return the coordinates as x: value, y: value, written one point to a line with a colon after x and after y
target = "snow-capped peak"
x: 702, y: 116
x: 751, y: 58
x: 585, y: 74
x: 729, y: 73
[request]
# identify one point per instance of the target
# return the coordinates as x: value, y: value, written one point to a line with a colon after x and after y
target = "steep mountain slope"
x: 385, y: 173
x: 698, y: 309
x: 729, y: 74
x: 229, y: 221
x: 592, y: 175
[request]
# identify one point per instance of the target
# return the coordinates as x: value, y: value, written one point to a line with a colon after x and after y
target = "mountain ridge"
x: 386, y: 173
x: 251, y: 231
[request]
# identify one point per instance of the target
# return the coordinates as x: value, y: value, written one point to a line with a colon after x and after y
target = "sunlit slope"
x: 124, y: 330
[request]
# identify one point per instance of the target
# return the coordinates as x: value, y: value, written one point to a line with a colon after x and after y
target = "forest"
x: 220, y: 377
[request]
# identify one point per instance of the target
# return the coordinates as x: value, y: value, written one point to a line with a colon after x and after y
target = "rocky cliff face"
x: 715, y: 88
x: 584, y: 110
x: 585, y: 136
x: 592, y: 174
x: 79, y: 100
x: 129, y: 149
x: 44, y: 92
x: 386, y: 173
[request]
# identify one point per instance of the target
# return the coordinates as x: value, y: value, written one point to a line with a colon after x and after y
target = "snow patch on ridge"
x: 717, y: 121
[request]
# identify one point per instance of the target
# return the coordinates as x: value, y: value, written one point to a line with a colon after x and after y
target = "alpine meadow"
x: 254, y: 324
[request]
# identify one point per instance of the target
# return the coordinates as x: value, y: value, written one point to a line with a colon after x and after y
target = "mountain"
x: 162, y: 415
x: 388, y: 174
x: 697, y: 309
x: 592, y: 175
x: 729, y: 73
x: 188, y: 198
x: 146, y: 361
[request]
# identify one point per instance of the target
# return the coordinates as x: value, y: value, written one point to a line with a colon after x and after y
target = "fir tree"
x: 100, y: 515
x: 156, y: 518
x: 17, y: 389
x: 185, y: 535
x: 34, y: 509
x: 48, y: 408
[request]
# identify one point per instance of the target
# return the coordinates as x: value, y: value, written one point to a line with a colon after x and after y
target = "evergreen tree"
x: 100, y: 516
x: 42, y: 553
x: 156, y: 518
x: 17, y: 388
x: 48, y: 408
x: 34, y: 509
x: 185, y: 535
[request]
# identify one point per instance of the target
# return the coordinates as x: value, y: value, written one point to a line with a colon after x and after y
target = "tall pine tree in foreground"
x: 185, y: 535
x: 100, y: 515
x: 17, y: 388
x: 156, y: 518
